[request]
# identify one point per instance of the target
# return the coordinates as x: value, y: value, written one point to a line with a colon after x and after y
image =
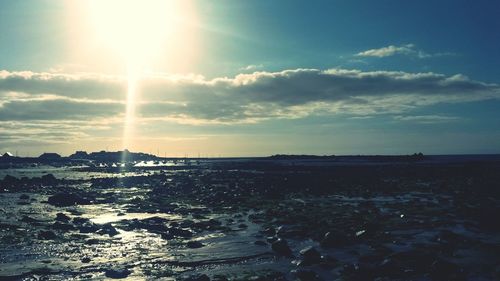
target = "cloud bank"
x: 245, y: 98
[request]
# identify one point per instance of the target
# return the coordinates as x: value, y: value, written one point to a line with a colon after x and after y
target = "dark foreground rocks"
x: 258, y: 221
x: 67, y: 199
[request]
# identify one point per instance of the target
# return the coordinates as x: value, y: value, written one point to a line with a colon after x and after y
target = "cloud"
x: 407, y: 50
x: 58, y: 108
x: 88, y: 86
x: 427, y: 119
x: 245, y: 98
x: 252, y: 67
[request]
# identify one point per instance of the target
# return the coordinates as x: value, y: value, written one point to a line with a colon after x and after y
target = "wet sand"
x: 252, y: 220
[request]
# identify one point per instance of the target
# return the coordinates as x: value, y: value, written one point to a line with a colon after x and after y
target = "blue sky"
x: 245, y: 78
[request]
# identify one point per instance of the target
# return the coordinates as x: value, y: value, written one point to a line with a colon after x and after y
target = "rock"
x: 8, y: 179
x: 62, y: 226
x: 328, y: 262
x: 363, y: 272
x: 28, y: 219
x: 335, y: 239
x: 48, y: 179
x: 86, y: 260
x: 179, y: 232
x: 288, y: 231
x: 306, y: 275
x: 390, y: 267
x: 67, y: 199
x: 271, y: 239
x: 194, y: 244
x: 80, y: 220
x: 197, y: 277
x: 270, y: 231
x: 280, y: 246
x: 310, y: 256
x: 260, y: 243
x: 24, y: 197
x: 117, y: 273
x: 443, y: 270
x: 46, y: 235
x: 62, y: 217
x: 219, y: 277
x: 108, y: 229
x: 92, y: 241
x: 88, y: 227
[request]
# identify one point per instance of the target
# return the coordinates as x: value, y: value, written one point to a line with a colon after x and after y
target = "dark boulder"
x: 46, y: 235
x: 62, y: 217
x: 260, y: 243
x: 335, y: 239
x: 88, y: 227
x: 444, y: 270
x: 108, y: 229
x: 306, y: 275
x: 310, y: 256
x: 62, y: 226
x: 179, y: 232
x: 48, y: 179
x: 194, y: 244
x: 64, y: 199
x: 117, y: 273
x: 281, y: 247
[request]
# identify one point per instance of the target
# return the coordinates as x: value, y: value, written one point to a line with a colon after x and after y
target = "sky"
x: 250, y: 78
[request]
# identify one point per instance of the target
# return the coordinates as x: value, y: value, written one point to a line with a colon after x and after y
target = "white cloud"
x: 252, y: 67
x: 407, y: 50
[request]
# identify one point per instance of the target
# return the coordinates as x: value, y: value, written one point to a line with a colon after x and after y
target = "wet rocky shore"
x: 253, y: 220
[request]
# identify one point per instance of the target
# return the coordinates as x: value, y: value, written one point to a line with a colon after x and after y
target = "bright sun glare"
x: 139, y: 31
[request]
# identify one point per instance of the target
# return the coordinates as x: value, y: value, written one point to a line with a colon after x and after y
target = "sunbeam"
x: 139, y: 32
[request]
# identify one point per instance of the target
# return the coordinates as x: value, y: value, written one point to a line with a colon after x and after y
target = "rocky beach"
x: 252, y: 219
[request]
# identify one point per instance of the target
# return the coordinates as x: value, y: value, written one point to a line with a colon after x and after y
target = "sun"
x: 137, y: 29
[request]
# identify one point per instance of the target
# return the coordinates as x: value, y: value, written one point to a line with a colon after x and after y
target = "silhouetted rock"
x: 260, y: 243
x: 48, y: 179
x: 88, y: 227
x: 335, y: 239
x: 28, y: 219
x: 67, y: 199
x: 281, y: 247
x: 8, y: 180
x: 444, y: 270
x: 117, y: 273
x: 310, y: 256
x: 306, y: 275
x: 62, y: 226
x: 108, y: 229
x: 179, y: 232
x: 62, y: 217
x: 194, y: 244
x: 46, y: 235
